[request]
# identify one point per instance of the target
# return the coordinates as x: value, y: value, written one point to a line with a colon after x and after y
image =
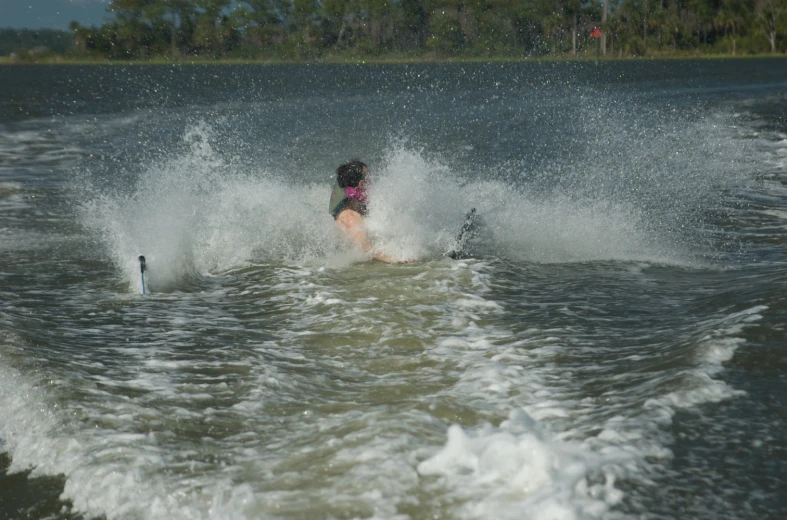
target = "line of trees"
x: 34, y: 40
x: 305, y: 29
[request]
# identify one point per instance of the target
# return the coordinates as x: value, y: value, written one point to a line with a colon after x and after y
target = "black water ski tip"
x: 142, y: 266
x: 465, y: 233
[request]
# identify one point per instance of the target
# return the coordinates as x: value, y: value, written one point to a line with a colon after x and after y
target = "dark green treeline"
x: 313, y: 29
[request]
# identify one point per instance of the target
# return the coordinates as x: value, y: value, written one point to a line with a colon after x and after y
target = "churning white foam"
x: 25, y: 422
x: 778, y: 154
x: 714, y: 348
x: 107, y: 471
x: 196, y: 211
x: 560, y: 452
x: 523, y: 472
x: 26, y: 145
x: 540, y: 462
x: 419, y: 205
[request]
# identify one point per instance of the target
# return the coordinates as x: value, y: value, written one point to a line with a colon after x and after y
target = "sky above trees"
x: 51, y: 14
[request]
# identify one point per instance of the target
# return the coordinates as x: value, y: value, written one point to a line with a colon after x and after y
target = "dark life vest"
x: 340, y: 202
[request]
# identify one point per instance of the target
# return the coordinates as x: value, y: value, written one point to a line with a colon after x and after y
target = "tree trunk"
x: 604, y: 28
x: 645, y: 30
x: 174, y: 41
x: 734, y: 40
x: 342, y: 29
x: 374, y: 30
x: 574, y: 35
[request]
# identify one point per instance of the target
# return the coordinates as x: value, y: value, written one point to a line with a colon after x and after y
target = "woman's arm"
x: 351, y: 223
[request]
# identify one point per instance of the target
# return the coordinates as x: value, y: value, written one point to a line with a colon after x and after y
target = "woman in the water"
x: 348, y: 206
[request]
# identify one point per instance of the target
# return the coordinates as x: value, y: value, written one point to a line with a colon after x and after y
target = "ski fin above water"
x: 142, y: 269
x: 457, y: 252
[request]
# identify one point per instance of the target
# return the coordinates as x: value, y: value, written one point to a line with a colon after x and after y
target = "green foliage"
x: 445, y: 34
x: 32, y: 42
x: 316, y: 29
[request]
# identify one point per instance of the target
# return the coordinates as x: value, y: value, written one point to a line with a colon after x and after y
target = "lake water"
x: 614, y: 346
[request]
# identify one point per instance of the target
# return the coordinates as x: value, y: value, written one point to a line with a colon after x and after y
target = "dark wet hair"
x: 350, y: 174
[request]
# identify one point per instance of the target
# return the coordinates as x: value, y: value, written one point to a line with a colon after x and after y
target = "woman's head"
x: 350, y: 175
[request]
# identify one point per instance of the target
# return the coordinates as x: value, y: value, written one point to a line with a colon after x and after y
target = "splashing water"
x: 198, y: 211
x: 556, y: 373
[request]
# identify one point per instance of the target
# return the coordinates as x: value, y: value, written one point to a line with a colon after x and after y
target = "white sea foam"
x: 107, y: 472
x: 522, y: 472
x: 195, y: 212
x: 549, y: 467
x: 539, y: 462
x: 519, y: 469
x: 35, y: 147
x: 780, y: 214
x: 372, y: 391
x: 26, y: 422
x: 718, y: 346
x: 516, y: 223
x: 192, y: 213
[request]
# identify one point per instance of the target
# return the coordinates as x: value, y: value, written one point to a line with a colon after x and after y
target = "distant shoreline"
x: 336, y: 60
